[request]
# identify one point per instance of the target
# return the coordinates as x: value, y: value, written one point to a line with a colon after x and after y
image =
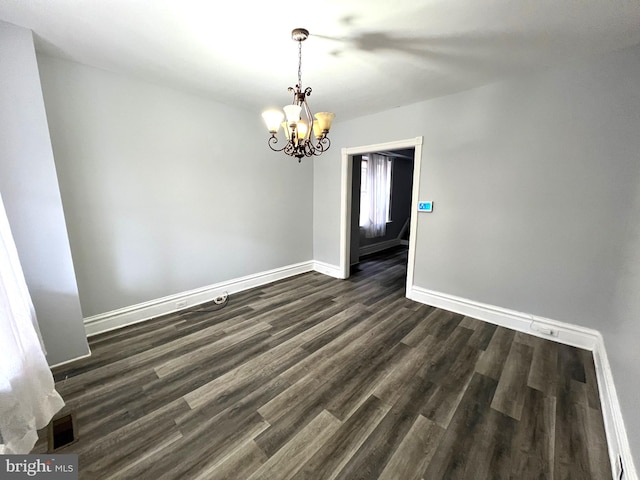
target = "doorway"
x: 380, y: 202
x: 346, y: 227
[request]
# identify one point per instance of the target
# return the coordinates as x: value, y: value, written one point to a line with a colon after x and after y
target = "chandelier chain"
x: 300, y: 64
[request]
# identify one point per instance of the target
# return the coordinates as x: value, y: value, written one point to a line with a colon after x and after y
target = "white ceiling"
x: 362, y: 56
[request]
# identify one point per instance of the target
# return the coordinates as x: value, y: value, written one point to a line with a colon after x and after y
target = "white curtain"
x: 378, y: 196
x: 28, y: 399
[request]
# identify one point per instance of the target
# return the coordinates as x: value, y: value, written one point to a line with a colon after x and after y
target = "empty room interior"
x: 425, y: 266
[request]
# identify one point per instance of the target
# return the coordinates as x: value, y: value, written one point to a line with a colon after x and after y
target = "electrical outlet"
x: 544, y: 329
x: 181, y: 304
x: 548, y: 331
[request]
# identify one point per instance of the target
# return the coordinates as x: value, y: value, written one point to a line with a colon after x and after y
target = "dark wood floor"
x: 318, y: 378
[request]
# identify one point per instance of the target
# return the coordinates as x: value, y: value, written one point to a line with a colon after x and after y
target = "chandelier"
x: 306, y: 134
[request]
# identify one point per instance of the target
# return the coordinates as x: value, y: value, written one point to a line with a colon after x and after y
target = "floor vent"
x: 62, y: 432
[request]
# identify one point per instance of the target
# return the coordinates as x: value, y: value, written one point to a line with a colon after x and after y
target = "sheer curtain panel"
x: 28, y: 399
x: 377, y: 175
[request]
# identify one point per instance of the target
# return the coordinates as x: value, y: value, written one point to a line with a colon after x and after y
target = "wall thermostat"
x: 425, y: 207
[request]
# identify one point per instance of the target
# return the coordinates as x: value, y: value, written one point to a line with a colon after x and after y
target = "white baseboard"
x: 523, y: 322
x: 566, y: 333
x: 70, y: 361
x: 114, y: 319
x: 617, y: 439
x: 378, y: 247
x: 328, y: 269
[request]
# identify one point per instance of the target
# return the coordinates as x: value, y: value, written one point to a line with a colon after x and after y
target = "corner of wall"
x: 561, y: 332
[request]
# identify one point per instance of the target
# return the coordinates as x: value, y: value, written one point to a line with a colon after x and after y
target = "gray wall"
x: 29, y: 189
x: 164, y: 191
x: 536, y: 183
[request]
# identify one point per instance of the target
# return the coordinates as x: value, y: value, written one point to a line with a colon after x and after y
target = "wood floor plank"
x: 534, y: 441
x: 200, y: 317
x: 241, y: 463
x: 265, y: 364
x: 526, y: 339
x: 126, y: 442
x: 452, y: 456
x: 288, y: 460
x: 512, y: 385
x: 593, y: 395
x: 241, y: 402
x: 331, y: 368
x: 346, y: 327
x: 471, y: 323
x: 312, y: 326
x: 424, y: 328
x: 206, y: 445
x: 204, y: 352
x: 571, y: 361
x: 496, y: 436
x: 308, y: 308
x: 391, y: 388
x: 492, y: 359
x: 597, y: 445
x: 140, y: 463
x: 354, y: 339
x: 373, y: 455
x: 341, y: 394
x: 337, y: 450
x: 485, y: 450
x: 414, y: 452
x: 571, y: 436
x: 138, y: 361
x: 335, y: 328
x: 445, y: 353
x: 443, y: 404
x: 288, y: 426
x: 352, y: 390
x: 544, y: 367
x: 446, y: 324
x: 460, y: 370
x: 482, y: 334
x: 194, y: 376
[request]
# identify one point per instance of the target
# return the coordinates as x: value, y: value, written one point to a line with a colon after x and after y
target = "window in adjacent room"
x: 375, y: 194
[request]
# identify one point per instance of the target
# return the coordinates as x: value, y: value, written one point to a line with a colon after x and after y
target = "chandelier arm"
x: 322, y: 146
x: 296, y: 94
x: 273, y: 140
x: 309, y: 149
x: 290, y: 149
x: 307, y: 111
